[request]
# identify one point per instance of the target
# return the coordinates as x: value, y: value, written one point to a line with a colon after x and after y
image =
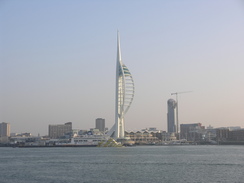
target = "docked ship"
x: 88, y: 140
x: 94, y: 141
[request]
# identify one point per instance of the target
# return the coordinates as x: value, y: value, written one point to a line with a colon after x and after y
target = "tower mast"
x: 117, y: 106
x: 177, y: 109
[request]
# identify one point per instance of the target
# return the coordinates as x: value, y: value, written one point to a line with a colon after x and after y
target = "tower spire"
x: 118, y: 47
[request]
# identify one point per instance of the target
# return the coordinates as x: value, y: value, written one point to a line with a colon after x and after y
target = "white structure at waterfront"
x: 124, y: 95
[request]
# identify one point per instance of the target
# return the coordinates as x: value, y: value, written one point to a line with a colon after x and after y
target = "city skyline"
x: 57, y: 62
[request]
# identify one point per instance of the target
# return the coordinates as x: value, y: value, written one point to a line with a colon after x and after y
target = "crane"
x: 177, y: 115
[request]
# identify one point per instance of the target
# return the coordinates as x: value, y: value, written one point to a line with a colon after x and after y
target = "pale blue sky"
x: 58, y: 61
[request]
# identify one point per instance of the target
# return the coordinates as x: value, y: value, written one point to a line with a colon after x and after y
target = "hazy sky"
x: 58, y: 59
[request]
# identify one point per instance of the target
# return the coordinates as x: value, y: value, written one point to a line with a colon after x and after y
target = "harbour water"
x: 129, y: 164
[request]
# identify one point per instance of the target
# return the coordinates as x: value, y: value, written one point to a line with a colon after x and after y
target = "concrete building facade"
x: 57, y: 131
x: 191, y: 132
x: 4, y: 129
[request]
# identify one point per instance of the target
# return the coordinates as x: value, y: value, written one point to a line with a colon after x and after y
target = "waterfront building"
x: 209, y: 134
x: 100, y: 124
x: 27, y: 140
x: 227, y: 134
x: 222, y: 134
x: 171, y: 115
x: 57, y: 131
x: 237, y: 135
x: 124, y: 94
x: 144, y: 137
x: 4, y: 129
x: 26, y: 134
x: 4, y: 132
x: 192, y: 132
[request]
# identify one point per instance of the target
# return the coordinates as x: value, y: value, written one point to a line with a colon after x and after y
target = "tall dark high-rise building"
x: 171, y: 116
x: 100, y: 124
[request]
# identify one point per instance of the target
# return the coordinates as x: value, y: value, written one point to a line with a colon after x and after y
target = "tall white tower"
x: 124, y: 94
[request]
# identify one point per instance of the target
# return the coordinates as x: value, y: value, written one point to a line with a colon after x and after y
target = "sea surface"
x: 129, y: 164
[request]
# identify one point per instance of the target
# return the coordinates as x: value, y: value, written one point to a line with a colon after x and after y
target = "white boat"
x: 88, y: 139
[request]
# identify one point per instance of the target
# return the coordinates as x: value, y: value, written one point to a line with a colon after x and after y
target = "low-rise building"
x: 142, y: 137
x: 192, y: 132
x: 236, y: 135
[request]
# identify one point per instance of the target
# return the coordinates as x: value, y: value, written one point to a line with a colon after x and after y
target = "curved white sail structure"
x: 124, y: 95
